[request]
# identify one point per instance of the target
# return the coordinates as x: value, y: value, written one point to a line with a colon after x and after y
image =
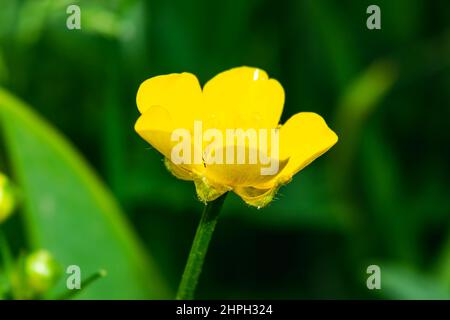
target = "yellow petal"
x: 256, y: 197
x: 179, y: 93
x: 155, y: 126
x: 303, y: 138
x: 237, y: 174
x: 179, y: 171
x: 244, y: 98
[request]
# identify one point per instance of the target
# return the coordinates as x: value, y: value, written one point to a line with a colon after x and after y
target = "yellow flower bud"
x: 42, y: 271
x: 7, y: 200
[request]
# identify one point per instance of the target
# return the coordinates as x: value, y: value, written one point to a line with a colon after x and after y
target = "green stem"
x: 6, y: 257
x: 84, y: 284
x: 199, y: 248
x: 5, y: 252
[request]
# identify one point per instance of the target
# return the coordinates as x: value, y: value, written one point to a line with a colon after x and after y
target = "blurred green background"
x: 380, y: 196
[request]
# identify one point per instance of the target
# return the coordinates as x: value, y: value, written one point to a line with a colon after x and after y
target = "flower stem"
x: 84, y: 284
x: 199, y: 248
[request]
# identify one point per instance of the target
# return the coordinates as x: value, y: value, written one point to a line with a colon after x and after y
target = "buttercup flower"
x: 241, y: 98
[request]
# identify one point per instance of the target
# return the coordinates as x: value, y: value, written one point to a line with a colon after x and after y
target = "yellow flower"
x: 240, y: 98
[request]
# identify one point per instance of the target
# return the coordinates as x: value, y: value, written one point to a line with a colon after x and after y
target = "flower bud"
x: 7, y: 200
x: 42, y: 271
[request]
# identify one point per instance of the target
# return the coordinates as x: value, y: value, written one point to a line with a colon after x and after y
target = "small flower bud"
x: 42, y: 271
x: 7, y: 200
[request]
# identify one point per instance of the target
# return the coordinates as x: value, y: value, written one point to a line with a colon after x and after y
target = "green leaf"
x: 444, y: 264
x: 70, y: 213
x: 339, y: 50
x: 366, y: 91
x: 357, y: 104
x: 384, y: 187
x: 398, y: 282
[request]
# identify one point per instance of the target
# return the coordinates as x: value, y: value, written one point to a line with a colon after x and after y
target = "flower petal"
x: 244, y: 97
x: 179, y: 171
x: 155, y: 126
x: 235, y: 174
x: 179, y: 93
x: 303, y: 138
x: 256, y: 197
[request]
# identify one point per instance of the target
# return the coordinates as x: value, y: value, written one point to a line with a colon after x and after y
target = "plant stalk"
x: 199, y: 248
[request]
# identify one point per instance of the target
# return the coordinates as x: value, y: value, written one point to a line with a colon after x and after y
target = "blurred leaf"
x: 8, y: 17
x: 385, y: 196
x: 444, y: 265
x: 100, y: 21
x: 398, y: 282
x: 367, y: 90
x: 339, y: 49
x: 3, y: 68
x: 32, y: 19
x: 357, y: 103
x: 70, y: 213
